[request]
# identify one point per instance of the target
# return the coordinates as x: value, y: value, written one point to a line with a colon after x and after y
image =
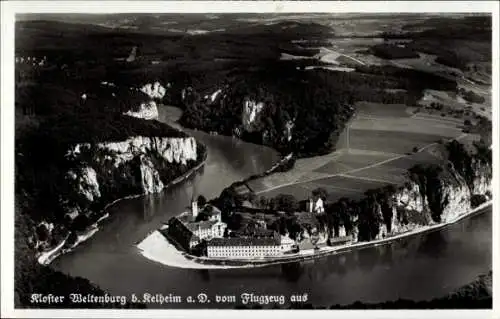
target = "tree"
x: 286, y: 202
x: 203, y: 215
x: 201, y: 200
x: 252, y: 198
x: 208, y: 209
x: 227, y: 200
x: 42, y: 232
x: 80, y: 223
x: 320, y: 192
x: 294, y: 229
x: 235, y: 222
x: 263, y: 202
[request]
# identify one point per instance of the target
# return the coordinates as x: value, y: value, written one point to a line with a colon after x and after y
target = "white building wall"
x: 242, y: 251
x: 318, y: 207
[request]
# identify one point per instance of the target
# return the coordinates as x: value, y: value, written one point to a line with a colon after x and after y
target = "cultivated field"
x: 377, y: 149
x: 398, y: 142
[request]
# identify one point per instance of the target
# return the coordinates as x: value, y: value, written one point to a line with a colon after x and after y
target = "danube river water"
x: 420, y: 267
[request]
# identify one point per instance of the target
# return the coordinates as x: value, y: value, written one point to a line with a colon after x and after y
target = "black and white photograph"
x: 249, y: 159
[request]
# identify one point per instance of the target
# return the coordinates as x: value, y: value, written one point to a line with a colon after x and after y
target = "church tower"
x: 194, y: 208
x: 194, y: 202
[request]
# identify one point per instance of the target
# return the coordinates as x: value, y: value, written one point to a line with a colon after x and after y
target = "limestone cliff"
x: 250, y: 113
x: 412, y: 209
x: 454, y: 200
x: 432, y: 194
x: 148, y: 154
x: 104, y: 172
x: 212, y: 97
x: 154, y: 90
x: 147, y: 111
x: 252, y: 120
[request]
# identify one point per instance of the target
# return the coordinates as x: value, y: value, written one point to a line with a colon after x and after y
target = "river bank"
x: 157, y: 248
x: 46, y: 257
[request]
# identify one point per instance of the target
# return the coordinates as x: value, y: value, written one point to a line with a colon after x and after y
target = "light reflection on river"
x: 421, y: 267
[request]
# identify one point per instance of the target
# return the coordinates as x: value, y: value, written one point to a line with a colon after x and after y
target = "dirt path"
x: 367, y: 178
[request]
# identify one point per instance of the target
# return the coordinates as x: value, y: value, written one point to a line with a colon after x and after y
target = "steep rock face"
x: 154, y: 91
x: 411, y: 209
x: 251, y: 111
x: 172, y: 150
x: 409, y: 198
x: 150, y: 177
x: 138, y: 165
x: 431, y: 195
x: 342, y: 231
x: 107, y: 171
x: 457, y: 201
x: 287, y: 132
x: 482, y: 180
x: 147, y: 111
x: 87, y: 182
x: 212, y: 97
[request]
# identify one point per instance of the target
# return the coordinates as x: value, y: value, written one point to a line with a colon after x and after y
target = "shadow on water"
x: 368, y: 258
x: 292, y: 272
x: 204, y: 274
x: 386, y: 255
x: 433, y: 244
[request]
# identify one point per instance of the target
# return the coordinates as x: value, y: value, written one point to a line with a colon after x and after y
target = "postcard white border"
x: 10, y: 8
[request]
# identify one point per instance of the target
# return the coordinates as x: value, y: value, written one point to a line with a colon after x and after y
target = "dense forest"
x: 387, y: 51
x: 43, y: 190
x: 59, y: 104
x: 459, y: 44
x: 318, y: 103
x: 245, y: 65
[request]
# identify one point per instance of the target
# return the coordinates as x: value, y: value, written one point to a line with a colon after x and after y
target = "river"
x: 420, y: 267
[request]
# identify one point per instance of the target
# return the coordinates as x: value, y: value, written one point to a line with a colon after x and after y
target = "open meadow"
x: 377, y: 148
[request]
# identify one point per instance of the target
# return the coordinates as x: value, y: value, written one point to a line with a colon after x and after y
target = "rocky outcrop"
x: 139, y: 165
x: 212, y: 97
x: 251, y: 111
x: 482, y: 179
x: 146, y: 155
x: 154, y: 91
x: 452, y: 201
x: 287, y: 132
x: 147, y: 111
x: 178, y: 150
x: 105, y: 172
x: 432, y: 195
x: 150, y: 177
x: 86, y: 179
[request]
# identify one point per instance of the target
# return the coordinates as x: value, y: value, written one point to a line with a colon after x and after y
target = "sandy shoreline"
x: 157, y: 248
